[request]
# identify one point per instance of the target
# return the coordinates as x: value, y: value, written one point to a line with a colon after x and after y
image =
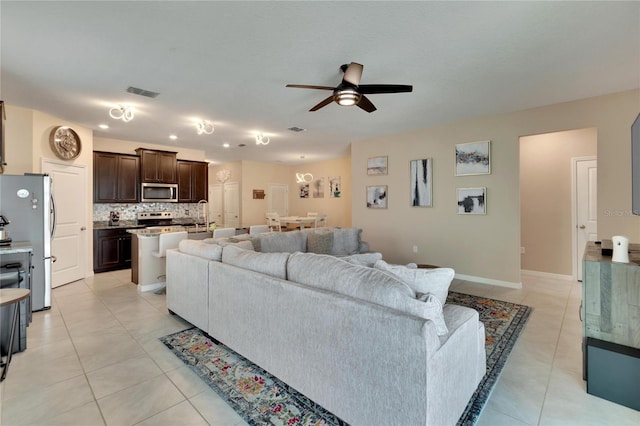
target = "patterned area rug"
x: 503, y: 323
x: 261, y: 398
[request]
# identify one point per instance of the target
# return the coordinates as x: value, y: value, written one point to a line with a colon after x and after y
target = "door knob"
x: 582, y: 227
x: 84, y: 228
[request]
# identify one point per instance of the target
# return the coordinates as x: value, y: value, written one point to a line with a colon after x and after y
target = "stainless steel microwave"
x: 159, y: 193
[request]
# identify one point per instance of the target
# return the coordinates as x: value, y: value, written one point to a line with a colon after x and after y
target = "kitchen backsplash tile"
x: 130, y: 211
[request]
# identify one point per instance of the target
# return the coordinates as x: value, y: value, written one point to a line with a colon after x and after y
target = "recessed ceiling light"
x: 226, y: 145
x: 103, y: 126
x: 173, y: 137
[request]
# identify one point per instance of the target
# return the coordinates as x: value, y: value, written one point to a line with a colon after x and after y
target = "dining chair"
x: 273, y: 221
x: 321, y: 220
x: 224, y: 232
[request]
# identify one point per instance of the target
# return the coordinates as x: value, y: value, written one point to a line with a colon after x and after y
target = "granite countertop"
x: 123, y: 224
x: 156, y: 230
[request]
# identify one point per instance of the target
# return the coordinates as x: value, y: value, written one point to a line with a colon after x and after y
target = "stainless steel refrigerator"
x: 27, y: 202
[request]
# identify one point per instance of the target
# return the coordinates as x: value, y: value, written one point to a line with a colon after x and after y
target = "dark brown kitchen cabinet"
x: 116, y: 178
x: 157, y: 166
x: 192, y: 181
x: 111, y: 249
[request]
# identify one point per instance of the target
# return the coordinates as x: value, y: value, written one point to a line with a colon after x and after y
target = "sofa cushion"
x: 273, y: 264
x: 369, y: 284
x: 363, y: 259
x: 247, y: 245
x: 201, y: 249
x: 434, y: 281
x: 320, y: 242
x: 282, y: 242
x: 346, y: 241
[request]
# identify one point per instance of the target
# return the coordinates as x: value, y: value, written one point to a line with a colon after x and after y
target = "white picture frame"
x: 421, y: 183
x: 473, y: 158
x: 472, y: 200
x: 377, y: 196
x: 377, y: 166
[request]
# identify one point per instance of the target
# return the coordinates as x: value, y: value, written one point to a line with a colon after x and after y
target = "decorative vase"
x: 620, y: 249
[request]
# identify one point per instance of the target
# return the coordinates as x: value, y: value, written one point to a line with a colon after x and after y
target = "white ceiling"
x: 228, y: 62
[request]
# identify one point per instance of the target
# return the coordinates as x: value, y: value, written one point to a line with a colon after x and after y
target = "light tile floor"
x: 95, y: 359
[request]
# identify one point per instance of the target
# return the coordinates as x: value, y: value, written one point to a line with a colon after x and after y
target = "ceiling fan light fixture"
x: 347, y: 97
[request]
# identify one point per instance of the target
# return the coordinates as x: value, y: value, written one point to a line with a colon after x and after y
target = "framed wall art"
x: 473, y: 158
x: 377, y: 197
x: 421, y: 186
x: 318, y: 188
x: 472, y: 200
x: 377, y: 166
x: 335, y: 187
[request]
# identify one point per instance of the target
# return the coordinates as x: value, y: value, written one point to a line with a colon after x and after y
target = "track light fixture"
x: 262, y: 139
x: 121, y: 112
x: 204, y: 127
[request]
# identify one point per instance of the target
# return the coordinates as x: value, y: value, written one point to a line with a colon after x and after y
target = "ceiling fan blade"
x: 323, y: 103
x: 353, y: 73
x: 366, y: 104
x: 305, y: 86
x: 384, y: 88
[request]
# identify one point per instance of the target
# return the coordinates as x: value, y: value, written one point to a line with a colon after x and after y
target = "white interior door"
x: 231, y: 205
x: 70, y: 242
x: 586, y: 207
x: 215, y: 203
x: 278, y: 197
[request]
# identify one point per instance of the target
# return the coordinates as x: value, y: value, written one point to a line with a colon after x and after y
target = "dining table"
x: 299, y: 221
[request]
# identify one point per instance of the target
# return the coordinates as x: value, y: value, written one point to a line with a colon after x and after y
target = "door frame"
x: 88, y: 260
x: 574, y: 212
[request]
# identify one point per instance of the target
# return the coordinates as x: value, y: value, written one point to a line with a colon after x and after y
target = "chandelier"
x: 262, y: 139
x: 204, y: 127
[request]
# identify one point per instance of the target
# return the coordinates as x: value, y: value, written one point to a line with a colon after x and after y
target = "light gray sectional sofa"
x: 358, y: 340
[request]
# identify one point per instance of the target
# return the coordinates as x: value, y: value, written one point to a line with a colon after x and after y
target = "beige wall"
x: 338, y: 210
x: 27, y: 137
x: 545, y: 197
x: 255, y: 175
x: 488, y: 247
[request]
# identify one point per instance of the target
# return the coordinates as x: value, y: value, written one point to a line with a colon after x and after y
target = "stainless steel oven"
x: 159, y: 193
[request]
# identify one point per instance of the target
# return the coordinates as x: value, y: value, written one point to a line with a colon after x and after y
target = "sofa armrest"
x: 188, y: 287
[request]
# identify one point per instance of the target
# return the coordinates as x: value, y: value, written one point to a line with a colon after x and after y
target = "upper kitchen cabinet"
x: 157, y: 166
x: 192, y: 181
x: 116, y: 178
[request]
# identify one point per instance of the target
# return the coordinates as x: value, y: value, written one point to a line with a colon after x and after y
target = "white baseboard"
x: 489, y: 281
x: 548, y: 275
x: 151, y: 287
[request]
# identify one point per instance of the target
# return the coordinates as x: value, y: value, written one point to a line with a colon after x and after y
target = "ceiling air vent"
x: 142, y: 92
x: 296, y: 129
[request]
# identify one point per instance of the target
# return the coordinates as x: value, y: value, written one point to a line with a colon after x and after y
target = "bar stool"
x: 9, y: 296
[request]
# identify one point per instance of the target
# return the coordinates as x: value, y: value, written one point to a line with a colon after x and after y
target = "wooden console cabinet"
x: 611, y: 326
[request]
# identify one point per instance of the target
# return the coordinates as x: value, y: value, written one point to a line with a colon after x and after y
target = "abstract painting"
x: 421, y: 183
x: 473, y: 158
x: 472, y: 200
x: 335, y: 187
x: 377, y: 166
x: 318, y: 188
x: 377, y: 197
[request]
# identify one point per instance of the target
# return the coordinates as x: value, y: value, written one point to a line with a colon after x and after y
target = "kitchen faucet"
x: 206, y: 215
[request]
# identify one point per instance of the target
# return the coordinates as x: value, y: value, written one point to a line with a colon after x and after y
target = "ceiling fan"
x: 351, y: 92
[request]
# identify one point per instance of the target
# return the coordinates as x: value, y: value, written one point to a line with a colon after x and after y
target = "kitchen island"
x: 147, y: 267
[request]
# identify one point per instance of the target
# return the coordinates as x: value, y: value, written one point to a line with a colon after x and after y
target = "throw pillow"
x: 320, y: 242
x: 433, y: 311
x: 346, y: 241
x: 434, y: 281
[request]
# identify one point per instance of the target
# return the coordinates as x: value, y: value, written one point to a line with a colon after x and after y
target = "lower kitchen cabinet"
x: 111, y: 250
